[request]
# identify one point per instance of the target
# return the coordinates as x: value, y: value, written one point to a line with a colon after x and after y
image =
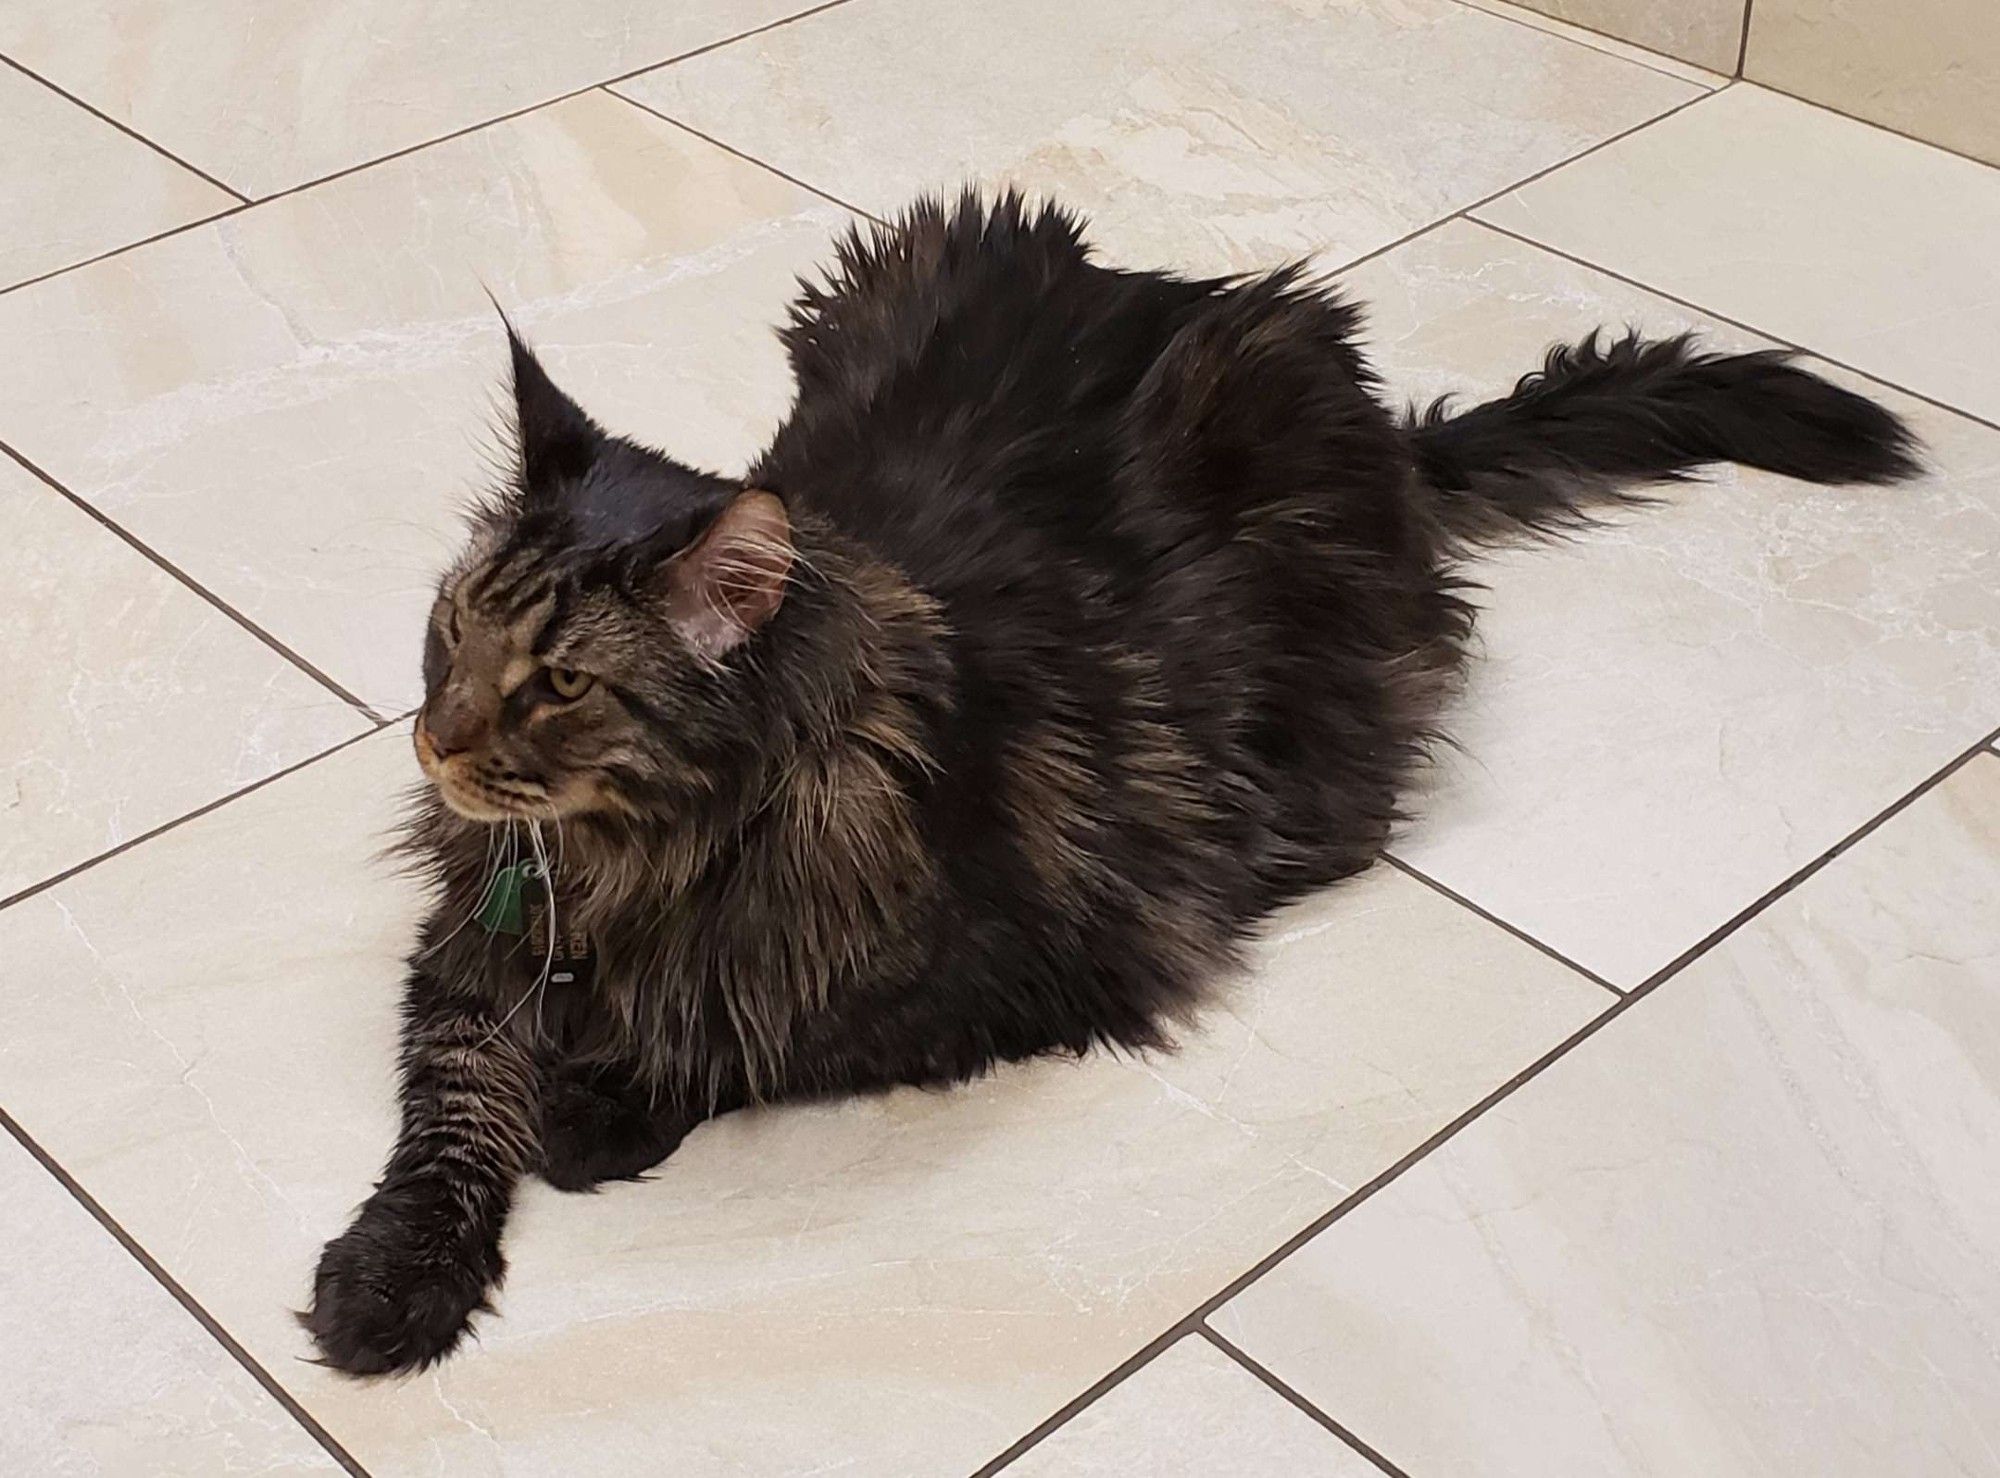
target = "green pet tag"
x: 503, y: 910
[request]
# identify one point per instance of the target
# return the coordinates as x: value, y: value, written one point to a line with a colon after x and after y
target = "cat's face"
x: 584, y: 653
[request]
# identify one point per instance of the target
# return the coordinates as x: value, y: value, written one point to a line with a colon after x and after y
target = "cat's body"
x: 1095, y: 614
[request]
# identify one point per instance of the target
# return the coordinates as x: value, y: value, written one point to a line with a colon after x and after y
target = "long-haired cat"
x: 1075, y: 619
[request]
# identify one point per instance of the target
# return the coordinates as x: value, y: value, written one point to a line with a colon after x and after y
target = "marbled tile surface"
x: 294, y: 404
x: 1204, y: 137
x: 270, y: 96
x: 102, y: 1372
x: 72, y: 186
x: 1869, y: 248
x: 1192, y: 1412
x: 1930, y: 68
x: 1706, y: 32
x: 130, y: 700
x: 1670, y: 714
x: 1748, y: 1228
x: 1743, y: 1228
x: 209, y: 1049
x: 1584, y: 35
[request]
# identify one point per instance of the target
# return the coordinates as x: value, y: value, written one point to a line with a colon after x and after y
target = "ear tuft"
x: 558, y: 441
x: 731, y: 580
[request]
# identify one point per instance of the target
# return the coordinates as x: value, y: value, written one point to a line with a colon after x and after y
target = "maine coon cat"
x: 1074, y: 620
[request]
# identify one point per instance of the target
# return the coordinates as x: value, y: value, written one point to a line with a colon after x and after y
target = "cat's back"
x: 961, y: 376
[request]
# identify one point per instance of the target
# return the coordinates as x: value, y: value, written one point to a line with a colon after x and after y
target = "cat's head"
x: 590, y: 651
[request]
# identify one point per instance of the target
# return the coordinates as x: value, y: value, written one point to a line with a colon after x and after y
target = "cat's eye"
x: 568, y: 684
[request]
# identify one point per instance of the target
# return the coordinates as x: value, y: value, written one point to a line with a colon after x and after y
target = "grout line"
x: 199, y: 589
x: 1743, y: 42
x: 1263, y: 1374
x: 1903, y: 134
x: 126, y: 129
x: 1061, y: 1416
x: 342, y: 173
x: 1195, y: 1321
x: 186, y: 1300
x: 603, y: 84
x: 1465, y: 211
x: 1493, y: 918
x: 1574, y: 40
x: 121, y: 250
x: 828, y: 195
x: 1845, y: 844
x: 1751, y: 328
x: 1702, y: 94
x: 199, y: 811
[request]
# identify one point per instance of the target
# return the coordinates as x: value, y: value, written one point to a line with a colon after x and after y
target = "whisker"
x: 549, y: 893
x: 486, y: 892
x: 549, y: 957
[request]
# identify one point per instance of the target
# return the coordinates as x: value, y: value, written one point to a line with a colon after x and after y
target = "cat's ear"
x: 732, y: 579
x: 558, y: 442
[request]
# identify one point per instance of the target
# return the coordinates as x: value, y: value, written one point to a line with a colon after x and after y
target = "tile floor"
x: 1640, y: 1119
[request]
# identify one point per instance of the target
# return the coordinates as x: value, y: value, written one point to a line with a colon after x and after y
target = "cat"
x: 1074, y: 620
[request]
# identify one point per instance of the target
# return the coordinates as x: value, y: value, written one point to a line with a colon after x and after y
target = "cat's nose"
x: 453, y: 730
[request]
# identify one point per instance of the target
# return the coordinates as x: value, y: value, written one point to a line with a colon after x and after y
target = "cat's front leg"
x: 396, y: 1290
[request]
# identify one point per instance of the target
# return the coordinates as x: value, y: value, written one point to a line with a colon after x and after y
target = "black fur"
x: 1097, y: 614
x: 1595, y: 419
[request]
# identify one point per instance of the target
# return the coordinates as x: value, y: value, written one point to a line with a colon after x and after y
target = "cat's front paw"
x: 397, y: 1290
x: 591, y: 1134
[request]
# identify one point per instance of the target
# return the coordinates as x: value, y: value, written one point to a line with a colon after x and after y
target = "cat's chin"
x: 485, y: 810
x: 479, y: 808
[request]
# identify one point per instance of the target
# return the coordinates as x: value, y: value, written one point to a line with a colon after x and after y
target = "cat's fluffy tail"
x: 1597, y: 419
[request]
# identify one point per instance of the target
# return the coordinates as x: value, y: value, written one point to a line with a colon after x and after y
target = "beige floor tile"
x: 1208, y: 137
x: 1602, y: 41
x: 1746, y: 1229
x: 1930, y: 68
x: 1867, y: 247
x: 130, y: 700
x: 1705, y: 32
x: 1669, y: 716
x: 72, y: 186
x: 101, y: 1372
x: 208, y: 1048
x: 1192, y: 1413
x: 293, y: 90
x: 293, y: 404
x: 1279, y: 1061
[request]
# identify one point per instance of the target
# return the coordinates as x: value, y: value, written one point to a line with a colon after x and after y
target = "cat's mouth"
x: 466, y: 785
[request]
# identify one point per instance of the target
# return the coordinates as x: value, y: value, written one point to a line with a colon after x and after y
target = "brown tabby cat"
x: 1075, y: 619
